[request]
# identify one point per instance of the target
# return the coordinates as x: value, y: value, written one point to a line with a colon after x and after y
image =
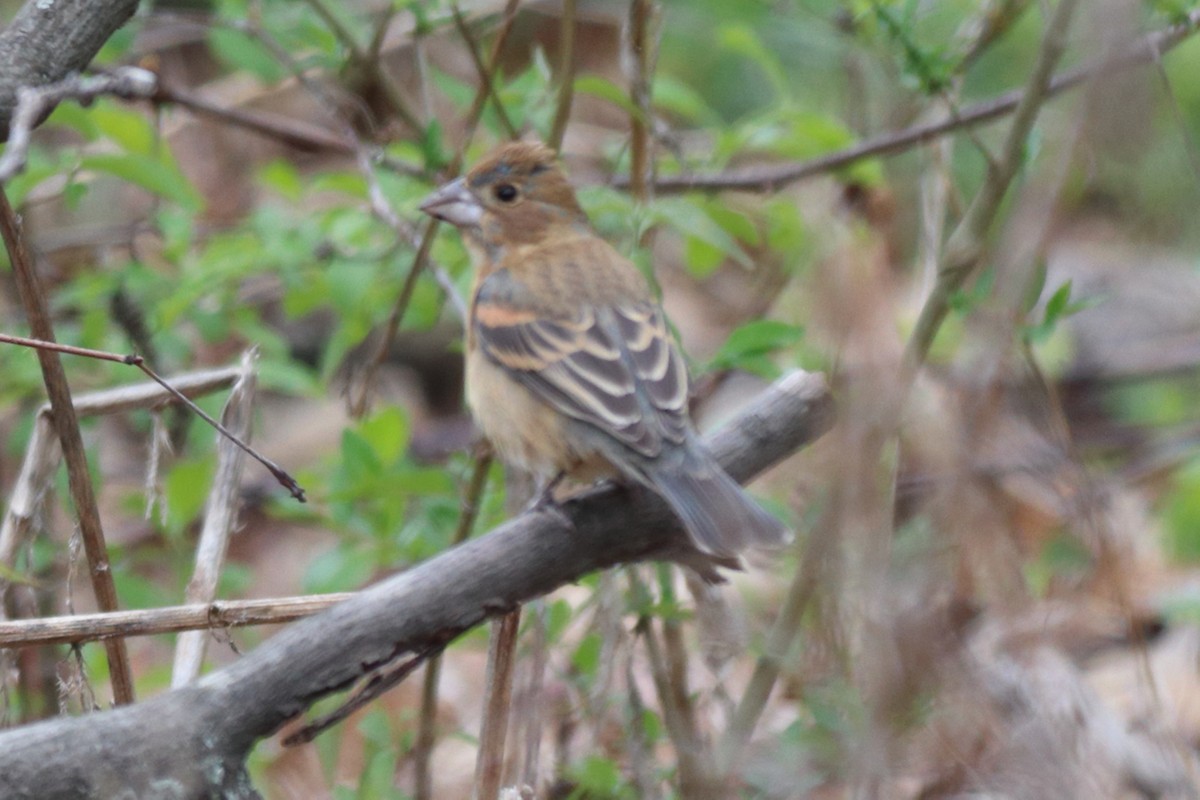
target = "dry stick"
x: 695, y: 779
x: 485, y: 71
x: 67, y: 427
x: 537, y: 659
x: 427, y: 725
x: 220, y: 518
x: 821, y: 546
x: 501, y: 655
x: 566, y: 70
x: 400, y: 308
x: 379, y: 682
x: 41, y: 454
x: 169, y: 619
x: 771, y: 178
x: 296, y: 133
x: 639, y: 90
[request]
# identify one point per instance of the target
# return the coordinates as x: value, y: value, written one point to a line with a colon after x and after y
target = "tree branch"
x: 46, y: 42
x: 773, y: 177
x: 193, y: 741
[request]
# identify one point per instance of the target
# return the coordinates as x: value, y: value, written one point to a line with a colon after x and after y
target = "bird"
x: 570, y: 368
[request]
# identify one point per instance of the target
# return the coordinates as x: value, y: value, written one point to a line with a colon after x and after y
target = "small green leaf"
x: 749, y: 346
x: 127, y: 128
x: 150, y: 173
x: 282, y: 177
x: 387, y: 433
x: 586, y: 658
x: 689, y: 217
x: 741, y: 39
x: 242, y: 51
x: 185, y: 489
x: 676, y: 97
x: 605, y: 90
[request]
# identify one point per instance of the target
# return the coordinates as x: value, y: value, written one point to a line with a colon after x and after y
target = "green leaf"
x: 741, y: 40
x: 1182, y: 515
x: 186, y: 489
x: 75, y: 117
x: 150, y: 173
x: 341, y: 569
x: 129, y: 129
x: 689, y: 217
x: 282, y: 177
x: 387, y: 433
x: 676, y: 97
x: 749, y: 345
x: 586, y: 658
x: 359, y: 459
x: 243, y: 52
x: 605, y: 90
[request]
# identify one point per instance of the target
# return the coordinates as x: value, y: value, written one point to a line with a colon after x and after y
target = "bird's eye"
x: 506, y: 193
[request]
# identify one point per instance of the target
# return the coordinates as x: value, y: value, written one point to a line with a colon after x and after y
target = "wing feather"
x: 615, y: 369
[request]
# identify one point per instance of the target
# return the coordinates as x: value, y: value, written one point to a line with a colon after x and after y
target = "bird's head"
x: 517, y: 194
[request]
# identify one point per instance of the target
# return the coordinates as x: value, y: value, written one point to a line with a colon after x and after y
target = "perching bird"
x: 570, y: 368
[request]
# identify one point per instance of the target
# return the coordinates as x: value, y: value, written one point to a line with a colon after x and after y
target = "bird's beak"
x: 455, y: 204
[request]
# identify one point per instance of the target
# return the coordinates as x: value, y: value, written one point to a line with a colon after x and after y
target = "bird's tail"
x: 720, y: 517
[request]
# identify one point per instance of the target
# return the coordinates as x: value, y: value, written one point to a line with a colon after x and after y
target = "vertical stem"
x: 566, y: 75
x: 427, y: 725
x: 489, y: 766
x: 639, y: 90
x: 66, y: 425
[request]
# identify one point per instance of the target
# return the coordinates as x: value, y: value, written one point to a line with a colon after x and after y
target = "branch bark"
x: 193, y: 741
x: 46, y: 42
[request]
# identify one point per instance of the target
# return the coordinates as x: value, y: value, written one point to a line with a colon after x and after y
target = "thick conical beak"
x: 455, y: 204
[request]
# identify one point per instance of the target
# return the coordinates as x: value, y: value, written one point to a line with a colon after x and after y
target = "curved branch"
x: 192, y: 742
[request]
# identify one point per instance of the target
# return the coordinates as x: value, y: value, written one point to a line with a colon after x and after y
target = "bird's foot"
x: 544, y: 501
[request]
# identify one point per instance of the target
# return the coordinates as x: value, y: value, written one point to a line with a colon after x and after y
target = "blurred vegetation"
x: 280, y: 250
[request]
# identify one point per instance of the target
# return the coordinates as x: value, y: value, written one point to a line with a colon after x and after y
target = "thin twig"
x: 41, y: 345
x: 486, y: 77
x: 377, y: 684
x: 642, y: 61
x: 427, y: 725
x: 220, y: 518
x: 34, y: 104
x: 67, y: 426
x: 489, y: 765
x: 566, y: 74
x: 773, y: 177
x: 296, y: 133
x: 168, y: 619
x: 695, y: 778
x: 821, y: 546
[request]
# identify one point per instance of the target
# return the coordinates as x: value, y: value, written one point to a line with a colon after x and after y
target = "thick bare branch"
x: 194, y: 740
x: 46, y: 42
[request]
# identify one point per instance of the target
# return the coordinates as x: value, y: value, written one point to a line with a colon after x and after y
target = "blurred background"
x: 994, y: 589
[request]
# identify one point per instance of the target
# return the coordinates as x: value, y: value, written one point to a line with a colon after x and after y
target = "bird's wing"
x: 614, y: 368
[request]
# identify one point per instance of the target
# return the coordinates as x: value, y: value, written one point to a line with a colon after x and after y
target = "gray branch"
x: 192, y: 742
x: 48, y: 40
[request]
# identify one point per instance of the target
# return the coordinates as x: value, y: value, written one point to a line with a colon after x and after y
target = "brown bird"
x: 570, y: 368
